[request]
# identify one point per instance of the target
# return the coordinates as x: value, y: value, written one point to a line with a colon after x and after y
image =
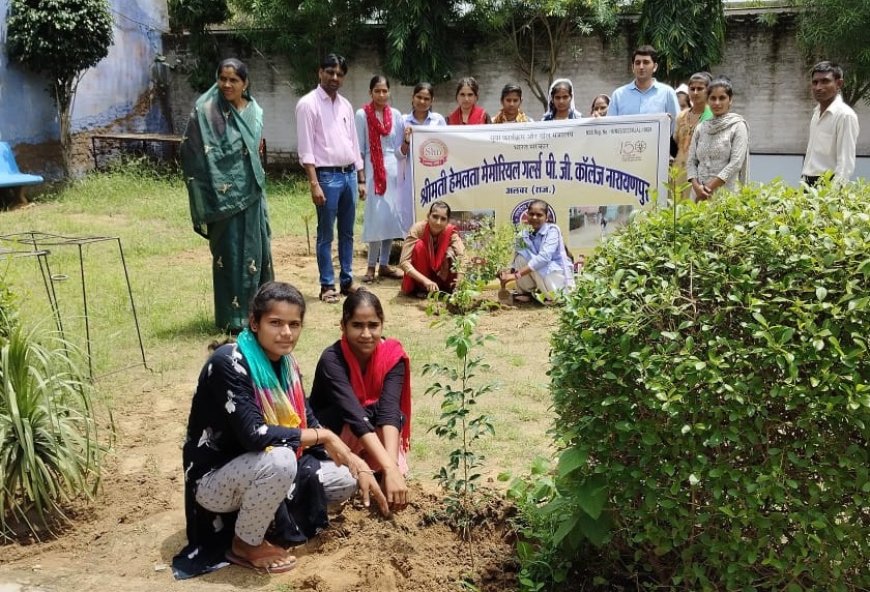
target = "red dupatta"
x: 477, y: 115
x: 429, y: 257
x: 368, y: 388
x: 376, y: 129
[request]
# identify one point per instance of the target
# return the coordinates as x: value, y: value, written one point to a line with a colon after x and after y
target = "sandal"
x: 264, y: 557
x: 349, y: 289
x: 270, y: 565
x: 369, y: 277
x: 521, y: 297
x: 329, y: 295
x: 387, y: 271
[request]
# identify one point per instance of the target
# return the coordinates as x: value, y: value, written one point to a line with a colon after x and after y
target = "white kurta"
x: 383, y: 217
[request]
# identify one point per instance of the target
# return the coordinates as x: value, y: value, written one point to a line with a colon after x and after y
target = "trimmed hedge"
x: 712, y: 383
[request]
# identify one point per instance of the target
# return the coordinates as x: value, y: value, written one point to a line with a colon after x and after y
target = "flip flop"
x: 329, y: 296
x: 242, y: 562
x: 368, y: 278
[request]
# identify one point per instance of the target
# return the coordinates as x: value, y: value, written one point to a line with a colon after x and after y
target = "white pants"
x: 255, y: 483
x: 535, y: 282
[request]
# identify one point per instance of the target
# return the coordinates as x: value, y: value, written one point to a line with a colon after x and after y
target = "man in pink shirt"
x: 330, y: 154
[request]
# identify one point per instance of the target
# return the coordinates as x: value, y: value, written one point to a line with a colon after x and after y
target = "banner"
x: 592, y: 172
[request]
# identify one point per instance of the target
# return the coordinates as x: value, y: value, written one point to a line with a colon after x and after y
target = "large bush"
x: 712, y: 384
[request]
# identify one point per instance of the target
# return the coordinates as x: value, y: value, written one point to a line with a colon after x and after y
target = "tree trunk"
x: 63, y: 95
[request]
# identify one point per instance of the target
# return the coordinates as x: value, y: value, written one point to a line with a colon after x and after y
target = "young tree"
x: 538, y: 32
x: 837, y: 30
x: 60, y: 39
x: 689, y: 35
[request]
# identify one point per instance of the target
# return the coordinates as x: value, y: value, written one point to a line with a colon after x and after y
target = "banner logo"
x: 433, y: 153
x: 518, y: 215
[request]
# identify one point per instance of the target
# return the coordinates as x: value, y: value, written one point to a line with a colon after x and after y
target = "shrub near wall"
x: 713, y: 390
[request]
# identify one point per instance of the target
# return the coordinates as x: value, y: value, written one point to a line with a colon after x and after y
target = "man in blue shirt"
x: 644, y: 94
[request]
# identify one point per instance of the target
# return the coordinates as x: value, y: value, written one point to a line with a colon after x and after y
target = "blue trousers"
x: 341, y: 195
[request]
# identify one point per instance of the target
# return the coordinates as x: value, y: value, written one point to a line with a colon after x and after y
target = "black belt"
x: 349, y: 168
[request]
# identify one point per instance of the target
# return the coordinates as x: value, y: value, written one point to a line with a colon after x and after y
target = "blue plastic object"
x: 10, y: 175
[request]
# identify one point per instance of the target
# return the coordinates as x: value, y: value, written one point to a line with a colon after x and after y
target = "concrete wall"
x: 115, y: 92
x: 764, y: 63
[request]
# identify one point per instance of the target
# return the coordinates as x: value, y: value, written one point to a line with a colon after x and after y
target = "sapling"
x: 459, y: 421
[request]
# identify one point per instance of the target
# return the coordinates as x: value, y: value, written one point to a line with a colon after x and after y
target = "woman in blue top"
x: 421, y: 114
x: 541, y: 263
x: 381, y: 132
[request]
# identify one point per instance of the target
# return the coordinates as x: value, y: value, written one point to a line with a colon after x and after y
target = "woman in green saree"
x: 226, y: 186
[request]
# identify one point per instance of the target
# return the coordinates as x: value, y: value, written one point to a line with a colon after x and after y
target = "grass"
x: 169, y: 267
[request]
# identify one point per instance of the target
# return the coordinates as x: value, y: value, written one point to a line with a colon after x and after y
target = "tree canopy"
x: 838, y: 30
x: 689, y: 35
x: 60, y: 39
x: 538, y: 32
x: 416, y: 36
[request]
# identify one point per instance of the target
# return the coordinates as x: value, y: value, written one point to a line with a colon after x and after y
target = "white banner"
x: 592, y: 172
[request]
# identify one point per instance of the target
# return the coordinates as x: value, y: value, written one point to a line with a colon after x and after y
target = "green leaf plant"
x: 49, y: 447
x: 711, y: 382
x: 459, y: 421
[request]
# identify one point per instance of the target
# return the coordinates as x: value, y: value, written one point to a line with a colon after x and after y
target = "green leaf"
x: 571, y: 459
x: 592, y: 495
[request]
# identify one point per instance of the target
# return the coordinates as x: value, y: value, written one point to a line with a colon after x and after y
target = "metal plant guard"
x: 39, y: 244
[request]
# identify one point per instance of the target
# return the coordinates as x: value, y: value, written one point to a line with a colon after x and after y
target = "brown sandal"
x: 387, y: 271
x: 329, y: 295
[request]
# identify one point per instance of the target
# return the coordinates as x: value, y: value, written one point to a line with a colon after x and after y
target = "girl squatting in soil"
x: 256, y: 460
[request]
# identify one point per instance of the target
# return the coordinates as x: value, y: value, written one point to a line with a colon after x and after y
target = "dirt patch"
x: 125, y: 539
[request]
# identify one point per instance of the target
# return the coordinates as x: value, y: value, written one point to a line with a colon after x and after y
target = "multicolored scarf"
x: 500, y: 118
x: 477, y: 115
x: 368, y: 387
x: 279, y: 397
x: 377, y: 129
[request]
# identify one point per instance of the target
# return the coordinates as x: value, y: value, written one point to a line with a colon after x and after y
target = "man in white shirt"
x: 833, y: 129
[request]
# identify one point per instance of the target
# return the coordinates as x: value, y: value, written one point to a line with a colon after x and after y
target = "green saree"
x: 225, y: 185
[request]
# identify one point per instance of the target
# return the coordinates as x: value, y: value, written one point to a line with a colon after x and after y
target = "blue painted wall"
x: 107, y: 93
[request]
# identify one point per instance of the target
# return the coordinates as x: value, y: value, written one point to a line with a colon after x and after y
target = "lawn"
x: 169, y: 271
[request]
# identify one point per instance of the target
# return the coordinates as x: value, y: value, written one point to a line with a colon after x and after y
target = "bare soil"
x: 125, y: 539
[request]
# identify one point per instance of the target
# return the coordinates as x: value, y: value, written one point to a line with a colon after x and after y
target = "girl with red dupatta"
x: 429, y: 254
x: 381, y: 131
x: 362, y: 391
x: 468, y: 112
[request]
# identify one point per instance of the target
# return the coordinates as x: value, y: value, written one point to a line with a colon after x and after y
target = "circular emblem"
x: 433, y: 153
x: 518, y: 215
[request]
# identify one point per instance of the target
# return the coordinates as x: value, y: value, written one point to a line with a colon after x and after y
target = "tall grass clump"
x: 711, y: 380
x: 49, y: 447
